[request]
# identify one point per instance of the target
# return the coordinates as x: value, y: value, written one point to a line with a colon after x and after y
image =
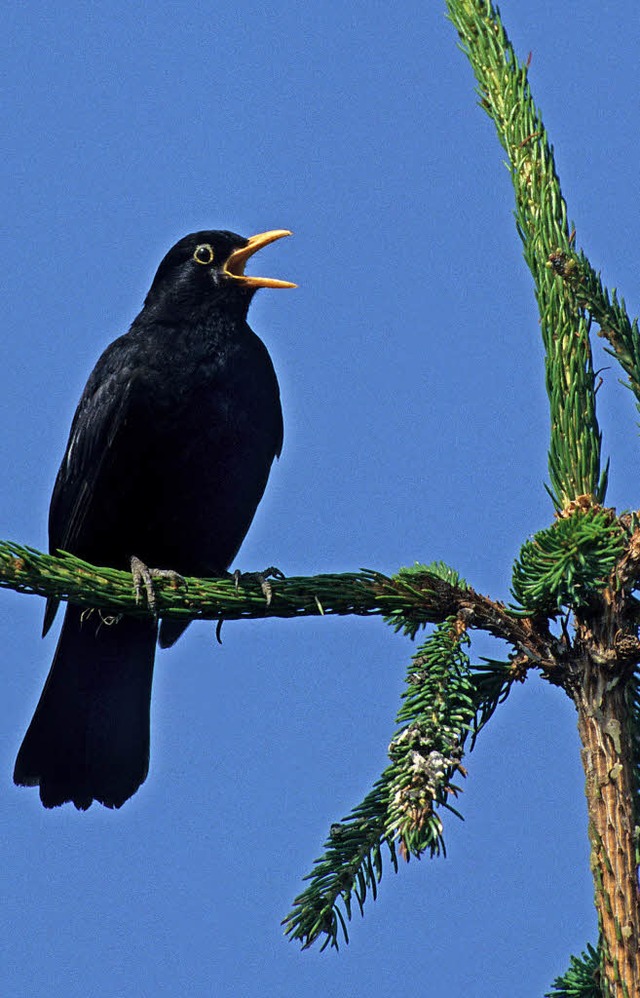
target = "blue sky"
x: 415, y: 429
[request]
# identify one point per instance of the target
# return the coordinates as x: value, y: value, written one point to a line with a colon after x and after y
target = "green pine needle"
x: 445, y: 700
x: 541, y: 222
x: 568, y: 563
x: 582, y: 978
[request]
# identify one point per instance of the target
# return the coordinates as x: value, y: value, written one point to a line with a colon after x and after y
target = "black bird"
x: 168, y: 457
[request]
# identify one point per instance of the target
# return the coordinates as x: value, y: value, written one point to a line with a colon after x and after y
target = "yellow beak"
x: 234, y: 267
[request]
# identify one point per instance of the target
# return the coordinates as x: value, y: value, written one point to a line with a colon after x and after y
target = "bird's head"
x: 208, y: 266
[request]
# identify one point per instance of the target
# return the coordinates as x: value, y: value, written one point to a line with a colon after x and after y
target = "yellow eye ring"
x: 203, y: 254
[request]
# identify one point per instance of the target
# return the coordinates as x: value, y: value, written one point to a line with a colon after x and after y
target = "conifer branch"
x: 568, y: 562
x: 607, y: 311
x: 541, y: 221
x: 410, y: 600
x: 602, y: 657
x: 445, y: 700
x: 581, y: 980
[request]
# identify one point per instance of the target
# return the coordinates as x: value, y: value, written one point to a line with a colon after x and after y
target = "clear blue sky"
x: 416, y: 429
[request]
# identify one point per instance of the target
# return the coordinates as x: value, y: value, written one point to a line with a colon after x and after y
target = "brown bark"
x: 604, y: 699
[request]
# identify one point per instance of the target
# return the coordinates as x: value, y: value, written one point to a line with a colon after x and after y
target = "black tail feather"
x: 89, y: 737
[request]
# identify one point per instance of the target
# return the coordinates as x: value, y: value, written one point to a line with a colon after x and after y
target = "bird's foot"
x: 261, y: 579
x: 143, y: 577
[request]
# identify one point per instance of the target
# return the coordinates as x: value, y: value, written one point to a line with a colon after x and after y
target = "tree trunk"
x: 604, y: 700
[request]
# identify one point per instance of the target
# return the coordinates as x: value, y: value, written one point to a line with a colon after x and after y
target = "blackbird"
x: 168, y: 457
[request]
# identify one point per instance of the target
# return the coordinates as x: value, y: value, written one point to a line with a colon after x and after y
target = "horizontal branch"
x: 409, y: 600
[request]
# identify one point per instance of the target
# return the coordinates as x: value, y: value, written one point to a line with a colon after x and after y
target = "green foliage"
x: 582, y: 978
x: 111, y: 591
x: 426, y: 753
x: 444, y: 583
x: 541, y: 221
x: 606, y: 309
x: 351, y: 867
x: 437, y: 568
x: 566, y: 565
x: 446, y: 699
x: 569, y: 562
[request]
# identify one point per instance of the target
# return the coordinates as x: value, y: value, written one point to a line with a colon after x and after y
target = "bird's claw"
x: 143, y: 577
x: 261, y: 578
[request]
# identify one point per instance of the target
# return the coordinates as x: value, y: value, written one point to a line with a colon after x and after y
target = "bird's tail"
x: 89, y: 737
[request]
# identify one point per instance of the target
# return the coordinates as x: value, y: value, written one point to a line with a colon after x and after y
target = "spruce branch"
x: 567, y: 564
x: 410, y: 600
x: 110, y: 590
x: 446, y: 699
x: 581, y: 980
x: 351, y: 867
x: 606, y: 310
x: 541, y: 221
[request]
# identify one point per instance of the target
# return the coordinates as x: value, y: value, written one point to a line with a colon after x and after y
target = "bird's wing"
x: 99, y: 419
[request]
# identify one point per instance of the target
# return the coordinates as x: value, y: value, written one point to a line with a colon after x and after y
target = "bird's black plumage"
x: 168, y: 457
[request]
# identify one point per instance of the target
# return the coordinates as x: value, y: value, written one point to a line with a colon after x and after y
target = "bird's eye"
x: 203, y: 254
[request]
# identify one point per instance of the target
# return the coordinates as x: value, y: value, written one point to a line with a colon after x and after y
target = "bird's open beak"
x: 234, y: 267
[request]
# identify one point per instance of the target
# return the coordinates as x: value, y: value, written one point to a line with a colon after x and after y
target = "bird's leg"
x: 259, y: 578
x: 143, y: 577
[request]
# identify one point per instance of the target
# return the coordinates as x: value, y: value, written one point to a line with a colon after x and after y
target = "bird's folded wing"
x: 99, y: 420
